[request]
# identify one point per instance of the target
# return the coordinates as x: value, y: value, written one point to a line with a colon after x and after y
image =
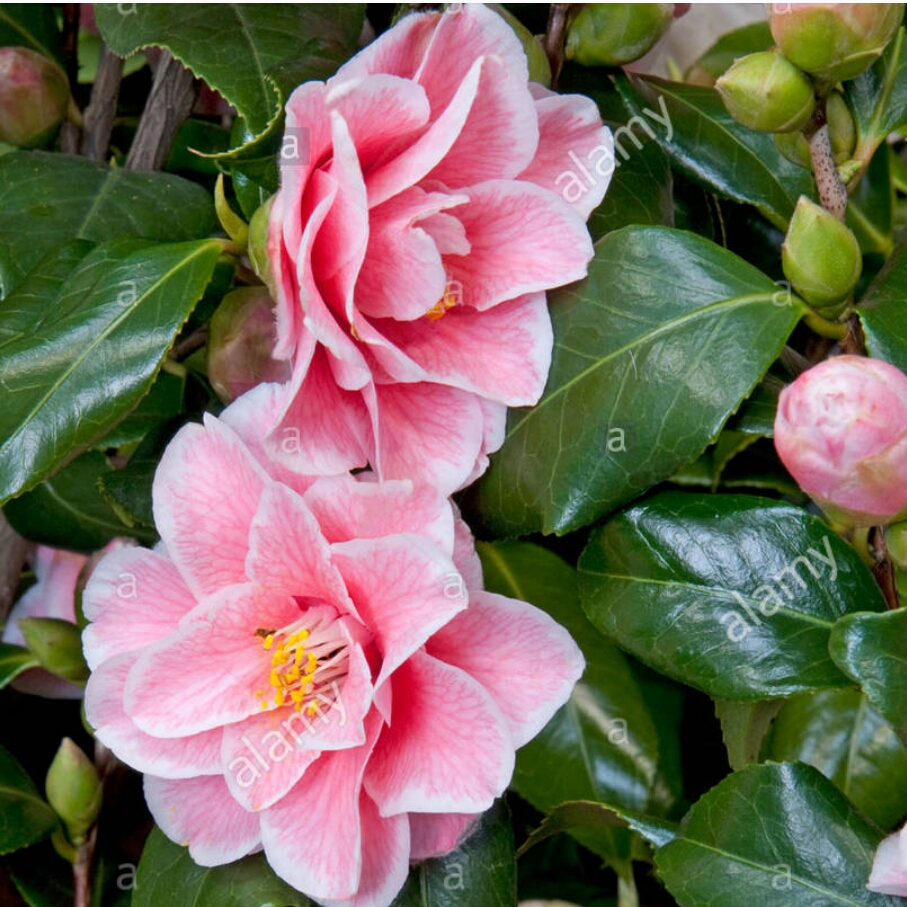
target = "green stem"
x: 627, y: 895
x: 834, y: 330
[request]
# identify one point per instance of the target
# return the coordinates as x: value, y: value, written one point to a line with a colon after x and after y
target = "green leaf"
x: 78, y: 357
x: 747, y: 39
x: 653, y: 352
x: 713, y: 150
x: 167, y: 875
x: 772, y: 834
x: 870, y: 211
x: 594, y: 816
x: 24, y: 816
x: 69, y: 511
x: 743, y: 728
x: 881, y: 311
x: 48, y: 199
x: 43, y: 879
x: 601, y: 745
x: 31, y: 25
x: 481, y: 872
x: 872, y: 649
x: 732, y: 594
x: 640, y: 192
x: 878, y: 96
x: 13, y: 661
x: 844, y: 737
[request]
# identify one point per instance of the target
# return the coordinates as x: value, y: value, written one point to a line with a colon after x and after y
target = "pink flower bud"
x: 841, y: 431
x: 34, y: 96
x: 242, y: 338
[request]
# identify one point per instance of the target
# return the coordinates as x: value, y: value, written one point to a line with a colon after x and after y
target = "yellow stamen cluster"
x: 450, y: 299
x: 292, y: 669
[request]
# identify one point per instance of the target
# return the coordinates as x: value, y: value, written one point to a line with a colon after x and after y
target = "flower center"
x: 453, y: 296
x: 307, y: 657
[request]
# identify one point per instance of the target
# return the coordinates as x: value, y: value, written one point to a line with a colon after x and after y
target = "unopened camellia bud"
x: 57, y: 644
x: 842, y: 132
x: 611, y: 34
x: 74, y: 790
x: 34, y: 97
x: 766, y: 92
x: 841, y: 431
x: 834, y: 41
x: 821, y: 258
x: 258, y: 244
x: 241, y: 339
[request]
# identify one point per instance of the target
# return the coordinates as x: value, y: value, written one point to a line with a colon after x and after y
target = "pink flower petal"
x: 348, y: 510
x: 398, y: 51
x: 428, y: 433
x: 465, y: 556
x: 201, y: 814
x: 434, y: 835
x: 575, y: 157
x: 206, y: 492
x: 205, y: 674
x: 312, y: 837
x: 503, y: 354
x: 112, y: 601
x: 523, y: 238
x: 404, y: 588
x: 177, y: 757
x: 889, y: 867
x: 448, y: 749
x: 528, y: 691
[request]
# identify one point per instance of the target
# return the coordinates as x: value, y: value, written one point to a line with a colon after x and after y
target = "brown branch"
x: 101, y: 110
x: 554, y: 39
x: 13, y: 549
x: 883, y: 570
x: 167, y: 108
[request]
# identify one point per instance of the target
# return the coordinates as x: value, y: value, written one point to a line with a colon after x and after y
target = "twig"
x: 13, y: 549
x: 883, y: 569
x: 832, y: 192
x: 101, y: 110
x: 81, y: 871
x: 186, y: 347
x: 554, y: 39
x: 168, y: 106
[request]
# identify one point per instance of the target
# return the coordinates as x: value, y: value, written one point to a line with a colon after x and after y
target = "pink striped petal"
x: 398, y: 51
x: 528, y: 690
x: 434, y: 835
x: 175, y: 757
x: 448, y: 748
x: 404, y: 588
x: 523, y: 240
x: 200, y: 814
x: 133, y: 598
x: 206, y: 492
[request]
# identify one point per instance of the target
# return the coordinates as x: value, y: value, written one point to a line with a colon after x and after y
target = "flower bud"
x: 611, y: 34
x: 821, y: 258
x: 766, y: 92
x: 241, y: 339
x: 57, y: 644
x: 34, y: 97
x: 834, y: 41
x: 841, y: 431
x: 842, y: 132
x: 74, y: 790
x: 259, y: 225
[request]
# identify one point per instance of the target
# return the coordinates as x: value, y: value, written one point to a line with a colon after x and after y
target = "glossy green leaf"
x: 640, y: 191
x: 77, y: 358
x: 870, y: 211
x: 167, y: 875
x: 747, y: 39
x: 481, y: 872
x: 31, y: 25
x: 878, y: 96
x: 42, y: 878
x: 772, y: 834
x: 744, y: 726
x: 48, y: 199
x: 732, y: 594
x: 710, y: 148
x: 844, y: 737
x: 69, y: 510
x: 13, y: 661
x: 881, y: 311
x: 872, y: 649
x: 602, y: 745
x: 653, y: 352
x: 24, y: 816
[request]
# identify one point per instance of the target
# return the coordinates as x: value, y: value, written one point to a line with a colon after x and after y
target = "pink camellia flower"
x: 841, y: 431
x: 889, y: 868
x: 430, y: 196
x: 53, y: 595
x: 310, y: 666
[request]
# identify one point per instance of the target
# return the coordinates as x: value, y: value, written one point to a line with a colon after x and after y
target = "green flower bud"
x: 34, y: 97
x: 841, y: 131
x: 74, y: 790
x: 834, y: 41
x: 611, y: 34
x: 258, y: 244
x: 57, y: 644
x: 766, y: 92
x: 896, y: 540
x: 821, y: 258
x: 539, y: 67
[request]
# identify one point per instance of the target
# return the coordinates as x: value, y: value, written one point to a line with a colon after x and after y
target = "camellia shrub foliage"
x: 443, y: 464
